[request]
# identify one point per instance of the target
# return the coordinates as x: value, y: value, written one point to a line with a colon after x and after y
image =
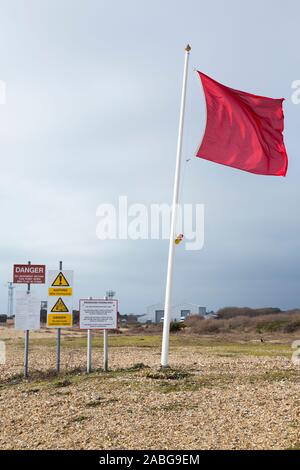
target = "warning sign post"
x: 60, y: 305
x: 98, y: 314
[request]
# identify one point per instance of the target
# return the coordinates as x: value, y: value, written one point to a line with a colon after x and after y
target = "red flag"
x: 243, y: 131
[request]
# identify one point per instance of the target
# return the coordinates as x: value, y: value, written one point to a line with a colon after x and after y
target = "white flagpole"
x: 168, y: 297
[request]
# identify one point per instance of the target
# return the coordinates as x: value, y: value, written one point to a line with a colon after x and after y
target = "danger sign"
x: 29, y: 273
x: 59, y: 312
x: 59, y: 321
x: 60, y: 283
x: 60, y: 305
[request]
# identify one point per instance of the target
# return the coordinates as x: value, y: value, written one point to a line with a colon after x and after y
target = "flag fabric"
x: 243, y: 130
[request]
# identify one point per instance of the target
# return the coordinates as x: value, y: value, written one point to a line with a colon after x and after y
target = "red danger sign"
x: 29, y: 273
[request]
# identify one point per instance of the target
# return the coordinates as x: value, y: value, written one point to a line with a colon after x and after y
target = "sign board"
x: 60, y: 283
x: 98, y: 314
x: 29, y: 274
x: 60, y: 304
x: 27, y: 311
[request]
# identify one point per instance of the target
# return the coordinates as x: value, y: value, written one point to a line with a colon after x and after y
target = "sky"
x: 92, y: 108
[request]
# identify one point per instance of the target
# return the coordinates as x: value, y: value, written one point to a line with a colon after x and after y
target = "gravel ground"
x: 210, y: 399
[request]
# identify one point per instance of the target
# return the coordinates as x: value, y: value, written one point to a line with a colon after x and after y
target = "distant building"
x: 155, y: 313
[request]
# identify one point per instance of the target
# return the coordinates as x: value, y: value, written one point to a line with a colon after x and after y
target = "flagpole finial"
x: 188, y: 48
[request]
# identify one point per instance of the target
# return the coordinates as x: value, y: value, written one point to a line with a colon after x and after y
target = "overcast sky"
x: 93, y: 95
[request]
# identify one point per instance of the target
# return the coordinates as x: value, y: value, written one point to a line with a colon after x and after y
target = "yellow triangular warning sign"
x: 60, y: 281
x: 60, y: 306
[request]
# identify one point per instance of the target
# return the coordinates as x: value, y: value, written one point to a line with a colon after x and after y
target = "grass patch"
x: 167, y: 374
x: 11, y: 381
x: 61, y: 383
x: 99, y: 401
x: 275, y: 376
x: 61, y: 393
x: 94, y: 403
x: 248, y: 349
x: 31, y: 391
x: 172, y: 381
x: 134, y: 368
x: 167, y: 387
x: 78, y: 419
x: 204, y: 344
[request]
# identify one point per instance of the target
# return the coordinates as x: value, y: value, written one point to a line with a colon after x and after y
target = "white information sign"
x: 27, y: 311
x: 98, y: 314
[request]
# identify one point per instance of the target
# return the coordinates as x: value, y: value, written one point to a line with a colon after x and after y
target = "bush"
x: 292, y: 326
x: 175, y: 327
x: 199, y: 325
x: 287, y: 322
x: 193, y: 321
x: 232, y: 312
x: 270, y: 326
x: 242, y: 323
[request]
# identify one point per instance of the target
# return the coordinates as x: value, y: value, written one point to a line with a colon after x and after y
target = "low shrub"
x: 176, y: 326
x: 292, y: 326
x: 287, y: 322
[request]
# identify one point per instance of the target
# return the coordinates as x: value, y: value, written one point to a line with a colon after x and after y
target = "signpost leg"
x: 26, y: 353
x: 105, y: 350
x: 58, y: 338
x: 58, y: 350
x: 89, y: 351
x: 26, y: 347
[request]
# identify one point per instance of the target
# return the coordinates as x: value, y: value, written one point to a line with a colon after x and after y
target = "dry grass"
x: 219, y: 394
x: 285, y: 323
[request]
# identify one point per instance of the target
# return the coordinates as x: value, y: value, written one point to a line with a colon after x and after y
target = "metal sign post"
x: 98, y: 314
x: 89, y: 348
x: 26, y: 346
x: 28, y: 307
x: 105, y: 350
x: 89, y: 352
x: 58, y: 334
x: 58, y: 350
x: 59, y: 306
